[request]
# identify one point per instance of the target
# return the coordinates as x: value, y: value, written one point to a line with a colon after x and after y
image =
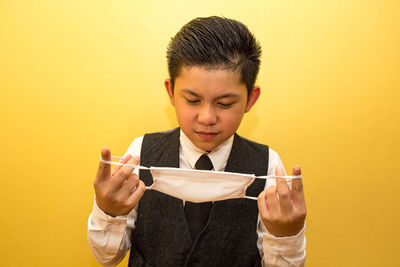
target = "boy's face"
x: 209, y: 104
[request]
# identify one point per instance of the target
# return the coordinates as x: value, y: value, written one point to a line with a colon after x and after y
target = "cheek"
x: 184, y: 115
x: 231, y: 120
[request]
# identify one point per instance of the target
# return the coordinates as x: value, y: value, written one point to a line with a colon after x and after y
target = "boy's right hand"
x: 119, y: 192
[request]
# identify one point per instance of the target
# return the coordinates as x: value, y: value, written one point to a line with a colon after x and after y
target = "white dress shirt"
x: 109, y: 237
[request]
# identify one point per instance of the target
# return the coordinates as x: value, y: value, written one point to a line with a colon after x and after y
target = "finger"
x: 262, y: 203
x: 297, y: 186
x: 272, y: 200
x: 137, y: 193
x: 123, y: 173
x: 285, y: 200
x: 123, y: 161
x: 129, y: 185
x: 104, y: 169
x: 280, y: 182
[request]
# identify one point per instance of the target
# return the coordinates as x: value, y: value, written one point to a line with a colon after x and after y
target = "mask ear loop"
x: 122, y: 164
x: 266, y: 177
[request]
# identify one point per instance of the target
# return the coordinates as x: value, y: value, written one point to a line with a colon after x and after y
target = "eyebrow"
x: 188, y: 91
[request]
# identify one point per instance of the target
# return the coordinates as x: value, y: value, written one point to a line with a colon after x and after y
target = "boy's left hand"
x: 282, y: 210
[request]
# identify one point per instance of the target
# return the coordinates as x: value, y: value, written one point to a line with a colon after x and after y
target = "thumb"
x: 297, y: 185
x: 104, y: 168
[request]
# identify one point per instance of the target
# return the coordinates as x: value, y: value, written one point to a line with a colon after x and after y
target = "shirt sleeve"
x: 109, y: 237
x: 279, y: 251
x: 284, y: 251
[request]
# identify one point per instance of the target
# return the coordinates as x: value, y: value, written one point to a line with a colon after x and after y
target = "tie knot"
x: 204, y: 163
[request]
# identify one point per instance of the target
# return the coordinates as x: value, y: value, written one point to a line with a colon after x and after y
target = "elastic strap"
x: 146, y: 168
x: 122, y: 164
x: 252, y: 198
x: 276, y: 176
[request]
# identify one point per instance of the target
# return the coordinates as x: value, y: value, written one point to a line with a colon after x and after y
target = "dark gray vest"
x: 161, y: 236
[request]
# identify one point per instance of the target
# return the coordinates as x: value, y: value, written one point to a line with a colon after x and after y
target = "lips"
x: 206, y: 135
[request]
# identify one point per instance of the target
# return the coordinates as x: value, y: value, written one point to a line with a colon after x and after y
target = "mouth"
x: 206, y: 135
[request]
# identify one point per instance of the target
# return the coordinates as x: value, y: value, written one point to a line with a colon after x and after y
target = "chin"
x: 207, y: 146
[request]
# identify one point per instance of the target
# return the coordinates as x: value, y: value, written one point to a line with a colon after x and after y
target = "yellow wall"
x: 76, y: 75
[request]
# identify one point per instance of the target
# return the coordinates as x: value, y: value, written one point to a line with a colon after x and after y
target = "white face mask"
x: 199, y: 185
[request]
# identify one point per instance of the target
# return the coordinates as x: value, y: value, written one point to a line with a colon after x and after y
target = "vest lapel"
x: 241, y: 160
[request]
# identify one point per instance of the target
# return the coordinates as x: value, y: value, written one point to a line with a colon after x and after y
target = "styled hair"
x: 215, y: 43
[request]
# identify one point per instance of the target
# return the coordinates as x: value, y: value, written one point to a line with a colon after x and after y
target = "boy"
x: 213, y: 63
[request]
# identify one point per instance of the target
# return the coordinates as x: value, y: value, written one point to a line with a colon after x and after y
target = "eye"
x: 192, y: 101
x: 225, y: 105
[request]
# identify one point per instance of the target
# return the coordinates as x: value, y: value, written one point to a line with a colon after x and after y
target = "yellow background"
x: 77, y: 75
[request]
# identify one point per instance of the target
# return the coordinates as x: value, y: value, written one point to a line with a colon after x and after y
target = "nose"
x: 207, y: 115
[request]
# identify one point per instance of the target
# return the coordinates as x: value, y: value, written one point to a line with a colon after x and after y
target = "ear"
x: 252, y: 99
x: 170, y: 91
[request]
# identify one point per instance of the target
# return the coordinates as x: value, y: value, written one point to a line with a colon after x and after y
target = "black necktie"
x: 197, y: 213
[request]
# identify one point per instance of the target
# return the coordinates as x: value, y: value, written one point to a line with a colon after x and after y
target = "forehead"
x: 209, y: 82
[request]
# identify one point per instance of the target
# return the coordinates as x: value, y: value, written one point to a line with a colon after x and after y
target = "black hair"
x: 215, y: 43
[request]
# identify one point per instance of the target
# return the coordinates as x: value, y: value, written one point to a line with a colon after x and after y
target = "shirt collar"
x: 219, y: 156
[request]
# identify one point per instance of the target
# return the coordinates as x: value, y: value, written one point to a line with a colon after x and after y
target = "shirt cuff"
x: 287, y: 245
x: 103, y: 220
x: 106, y: 236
